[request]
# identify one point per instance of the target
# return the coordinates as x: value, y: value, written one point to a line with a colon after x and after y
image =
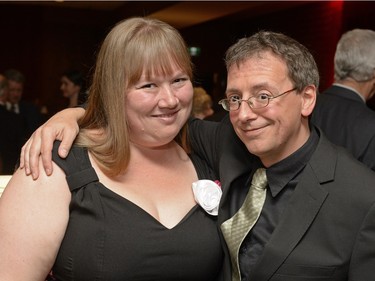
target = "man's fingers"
x: 32, y: 155
x: 24, y: 158
x: 67, y: 141
x: 47, y: 139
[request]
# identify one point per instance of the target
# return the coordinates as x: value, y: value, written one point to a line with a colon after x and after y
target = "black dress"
x: 110, y: 238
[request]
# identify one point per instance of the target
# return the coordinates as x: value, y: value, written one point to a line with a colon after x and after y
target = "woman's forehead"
x: 168, y: 67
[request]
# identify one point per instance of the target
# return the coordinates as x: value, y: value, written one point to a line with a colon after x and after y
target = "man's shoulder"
x: 346, y: 104
x: 339, y: 167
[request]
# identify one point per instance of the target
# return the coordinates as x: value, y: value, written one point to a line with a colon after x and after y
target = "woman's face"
x: 157, y: 107
x: 68, y: 88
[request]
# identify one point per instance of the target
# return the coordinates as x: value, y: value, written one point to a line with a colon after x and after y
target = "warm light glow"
x: 338, y: 5
x: 3, y: 182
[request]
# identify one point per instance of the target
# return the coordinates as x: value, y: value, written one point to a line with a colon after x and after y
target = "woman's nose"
x: 168, y: 97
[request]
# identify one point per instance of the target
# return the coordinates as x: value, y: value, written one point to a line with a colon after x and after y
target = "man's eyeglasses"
x: 260, y: 100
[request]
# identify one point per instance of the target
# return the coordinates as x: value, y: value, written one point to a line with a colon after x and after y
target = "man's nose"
x: 245, y: 111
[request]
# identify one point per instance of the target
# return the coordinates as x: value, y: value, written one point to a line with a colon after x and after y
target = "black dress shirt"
x: 282, y: 179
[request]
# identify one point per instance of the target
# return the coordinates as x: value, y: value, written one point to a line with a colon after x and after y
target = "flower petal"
x: 207, y: 194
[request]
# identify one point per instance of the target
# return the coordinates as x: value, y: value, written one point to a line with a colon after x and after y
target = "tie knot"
x: 260, y: 178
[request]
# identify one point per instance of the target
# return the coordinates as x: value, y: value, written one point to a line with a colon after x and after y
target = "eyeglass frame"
x: 222, y: 102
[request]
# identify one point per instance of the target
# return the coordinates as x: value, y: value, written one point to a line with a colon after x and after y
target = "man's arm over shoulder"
x: 206, y: 139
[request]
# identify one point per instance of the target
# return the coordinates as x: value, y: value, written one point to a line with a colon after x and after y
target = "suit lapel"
x: 297, y: 217
x: 300, y: 213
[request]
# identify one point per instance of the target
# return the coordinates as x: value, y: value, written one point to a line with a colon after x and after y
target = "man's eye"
x: 234, y: 99
x: 263, y: 96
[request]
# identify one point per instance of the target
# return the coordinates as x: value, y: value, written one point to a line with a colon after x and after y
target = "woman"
x: 72, y: 87
x: 120, y: 206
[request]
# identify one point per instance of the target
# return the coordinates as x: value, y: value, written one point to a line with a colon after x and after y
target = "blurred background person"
x: 341, y: 110
x: 3, y: 91
x: 202, y: 104
x: 73, y: 87
x: 12, y: 133
x: 28, y: 112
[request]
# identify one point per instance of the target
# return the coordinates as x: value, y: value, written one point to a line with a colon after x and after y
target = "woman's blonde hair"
x: 133, y: 46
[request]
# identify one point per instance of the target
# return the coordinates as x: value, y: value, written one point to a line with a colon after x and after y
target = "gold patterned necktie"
x: 236, y: 228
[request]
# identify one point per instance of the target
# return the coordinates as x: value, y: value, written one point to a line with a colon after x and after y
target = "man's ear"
x: 308, y: 96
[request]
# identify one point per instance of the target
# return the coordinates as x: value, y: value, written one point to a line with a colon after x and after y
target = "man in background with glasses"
x: 317, y: 221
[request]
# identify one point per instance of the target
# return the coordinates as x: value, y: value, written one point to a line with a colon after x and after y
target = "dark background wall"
x: 43, y: 41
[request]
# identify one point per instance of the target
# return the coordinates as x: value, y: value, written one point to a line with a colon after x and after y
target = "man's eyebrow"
x: 232, y: 91
x: 252, y: 89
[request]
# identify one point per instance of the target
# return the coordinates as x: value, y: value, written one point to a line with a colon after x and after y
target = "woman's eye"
x: 180, y: 80
x: 147, y: 86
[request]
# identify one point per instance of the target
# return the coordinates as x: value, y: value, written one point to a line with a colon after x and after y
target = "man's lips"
x: 253, y: 129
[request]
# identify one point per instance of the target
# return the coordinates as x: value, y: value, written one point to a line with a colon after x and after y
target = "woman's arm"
x: 61, y: 126
x: 33, y: 219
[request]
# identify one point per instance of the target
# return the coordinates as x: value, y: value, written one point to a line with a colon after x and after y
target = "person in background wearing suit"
x: 12, y: 133
x: 318, y: 217
x: 341, y: 110
x: 29, y: 113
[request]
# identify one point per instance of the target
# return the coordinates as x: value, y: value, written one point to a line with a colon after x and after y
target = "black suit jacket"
x: 327, y: 231
x: 347, y: 121
x: 32, y: 117
x: 12, y: 138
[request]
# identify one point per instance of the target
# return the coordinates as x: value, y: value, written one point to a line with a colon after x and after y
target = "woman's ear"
x: 308, y: 100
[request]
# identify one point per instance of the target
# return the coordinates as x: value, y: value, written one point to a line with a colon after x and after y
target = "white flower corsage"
x: 207, y: 194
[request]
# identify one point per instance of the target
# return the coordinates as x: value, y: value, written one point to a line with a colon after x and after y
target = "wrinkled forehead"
x: 259, y: 62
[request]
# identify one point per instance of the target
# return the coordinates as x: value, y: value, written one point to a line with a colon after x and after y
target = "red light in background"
x: 337, y: 5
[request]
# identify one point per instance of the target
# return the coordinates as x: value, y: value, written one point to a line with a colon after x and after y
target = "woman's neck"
x: 169, y: 152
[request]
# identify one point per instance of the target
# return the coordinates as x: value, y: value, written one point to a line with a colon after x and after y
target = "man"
x: 317, y: 222
x: 341, y: 110
x: 30, y: 114
x: 12, y: 133
x: 318, y: 218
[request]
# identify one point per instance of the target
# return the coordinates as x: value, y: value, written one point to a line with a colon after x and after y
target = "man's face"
x: 15, y: 91
x: 274, y: 132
